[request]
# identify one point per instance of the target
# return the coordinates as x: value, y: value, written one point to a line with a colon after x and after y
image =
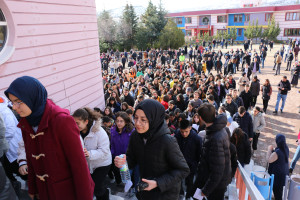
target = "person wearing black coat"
x: 290, y: 60
x: 126, y: 97
x: 233, y: 155
x: 254, y: 89
x: 220, y: 90
x: 242, y: 144
x: 190, y: 145
x: 151, y: 147
x: 244, y: 119
x: 214, y: 170
x: 230, y: 106
x: 247, y: 97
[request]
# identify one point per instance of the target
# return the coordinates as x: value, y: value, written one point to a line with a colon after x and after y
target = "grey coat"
x: 259, y: 122
x: 3, y: 143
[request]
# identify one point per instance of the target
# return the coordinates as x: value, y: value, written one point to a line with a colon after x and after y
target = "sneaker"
x: 281, y: 111
x: 275, y: 112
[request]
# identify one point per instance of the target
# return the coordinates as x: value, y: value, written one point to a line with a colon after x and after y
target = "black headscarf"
x: 155, y: 113
x: 30, y: 91
x: 281, y: 144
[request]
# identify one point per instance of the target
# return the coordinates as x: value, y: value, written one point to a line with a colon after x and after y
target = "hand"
x: 86, y: 153
x: 250, y: 139
x: 270, y: 148
x: 34, y: 195
x: 23, y: 170
x: 203, y: 194
x: 119, y: 161
x: 152, y: 184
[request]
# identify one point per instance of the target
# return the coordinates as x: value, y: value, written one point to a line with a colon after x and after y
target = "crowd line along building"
x: 199, y: 22
x: 55, y: 41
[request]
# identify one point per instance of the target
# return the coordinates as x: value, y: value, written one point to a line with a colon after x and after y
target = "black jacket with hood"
x: 214, y: 170
x: 157, y: 154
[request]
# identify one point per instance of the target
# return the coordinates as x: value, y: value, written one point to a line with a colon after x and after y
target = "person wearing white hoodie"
x: 13, y: 136
x: 96, y: 148
x: 259, y: 124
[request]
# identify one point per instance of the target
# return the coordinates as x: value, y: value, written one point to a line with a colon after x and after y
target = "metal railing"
x: 246, y: 186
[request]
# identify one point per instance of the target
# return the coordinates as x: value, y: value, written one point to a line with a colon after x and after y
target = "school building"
x: 198, y: 22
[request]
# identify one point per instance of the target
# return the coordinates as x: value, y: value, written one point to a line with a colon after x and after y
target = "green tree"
x: 142, y: 40
x: 249, y: 33
x: 233, y: 33
x: 127, y: 28
x: 171, y: 36
x: 273, y: 29
x: 106, y: 29
x: 154, y: 21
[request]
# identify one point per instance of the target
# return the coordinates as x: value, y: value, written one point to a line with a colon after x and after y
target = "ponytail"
x: 87, y: 114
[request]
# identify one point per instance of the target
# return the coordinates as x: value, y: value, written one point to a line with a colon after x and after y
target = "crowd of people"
x: 183, y: 119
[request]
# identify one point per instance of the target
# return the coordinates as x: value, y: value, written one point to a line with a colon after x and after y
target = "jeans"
x: 285, y: 56
x: 262, y: 63
x: 112, y: 70
x: 278, y: 69
x: 288, y: 66
x: 279, y: 97
x: 234, y: 68
x: 295, y: 158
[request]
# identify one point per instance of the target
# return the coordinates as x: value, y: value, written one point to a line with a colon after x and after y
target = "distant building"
x: 198, y: 22
x: 55, y: 41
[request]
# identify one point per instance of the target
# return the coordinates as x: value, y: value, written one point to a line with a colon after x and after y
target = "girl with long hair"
x: 96, y: 148
x: 120, y: 134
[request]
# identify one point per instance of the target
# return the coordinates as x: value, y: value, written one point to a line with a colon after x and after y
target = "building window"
x: 3, y: 30
x: 222, y: 19
x: 268, y: 16
x: 178, y: 20
x: 205, y: 21
x: 188, y: 20
x: 239, y: 32
x: 292, y: 32
x: 188, y: 32
x: 292, y: 16
x: 247, y: 18
x: 238, y: 18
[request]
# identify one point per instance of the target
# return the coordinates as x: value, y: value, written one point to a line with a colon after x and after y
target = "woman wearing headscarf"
x: 161, y: 163
x: 278, y: 160
x: 57, y: 168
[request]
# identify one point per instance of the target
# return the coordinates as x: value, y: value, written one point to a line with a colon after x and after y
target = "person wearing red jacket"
x: 57, y: 168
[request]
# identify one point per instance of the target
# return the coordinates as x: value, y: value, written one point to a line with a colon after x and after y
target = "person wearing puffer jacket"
x: 259, y: 124
x: 96, y: 148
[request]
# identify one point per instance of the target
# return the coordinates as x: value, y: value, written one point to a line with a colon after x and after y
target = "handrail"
x: 244, y: 183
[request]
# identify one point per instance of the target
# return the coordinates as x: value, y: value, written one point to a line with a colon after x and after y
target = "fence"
x: 247, y: 189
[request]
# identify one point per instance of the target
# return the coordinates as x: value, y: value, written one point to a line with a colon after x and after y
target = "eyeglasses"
x: 16, y: 103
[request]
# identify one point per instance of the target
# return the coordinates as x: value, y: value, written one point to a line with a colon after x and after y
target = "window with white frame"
x: 3, y: 30
x: 188, y: 20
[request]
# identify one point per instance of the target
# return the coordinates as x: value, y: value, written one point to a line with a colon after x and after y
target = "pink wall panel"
x: 53, y: 48
x: 57, y: 42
